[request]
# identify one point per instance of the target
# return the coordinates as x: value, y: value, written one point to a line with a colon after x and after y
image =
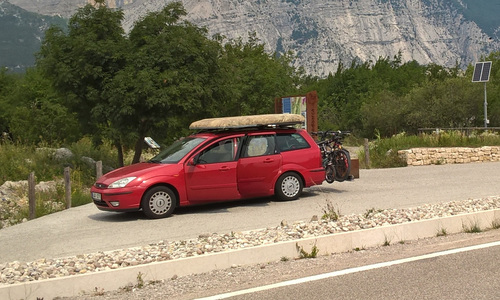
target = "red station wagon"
x: 219, y: 163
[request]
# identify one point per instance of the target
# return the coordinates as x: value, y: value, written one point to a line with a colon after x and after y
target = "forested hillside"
x: 20, y: 35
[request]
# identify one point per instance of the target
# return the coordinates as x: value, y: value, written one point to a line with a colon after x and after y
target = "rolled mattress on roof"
x: 248, y: 121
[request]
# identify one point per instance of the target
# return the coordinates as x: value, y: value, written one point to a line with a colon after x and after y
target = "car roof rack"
x: 266, y: 121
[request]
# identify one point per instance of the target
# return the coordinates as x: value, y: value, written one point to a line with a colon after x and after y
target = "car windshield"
x: 177, y: 150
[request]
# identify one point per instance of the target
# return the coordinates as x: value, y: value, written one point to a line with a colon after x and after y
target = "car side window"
x: 291, y: 141
x: 222, y: 151
x: 258, y: 145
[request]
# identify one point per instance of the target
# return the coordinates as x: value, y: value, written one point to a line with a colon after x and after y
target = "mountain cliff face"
x: 323, y: 33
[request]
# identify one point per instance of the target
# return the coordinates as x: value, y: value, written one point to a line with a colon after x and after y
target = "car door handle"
x: 224, y: 169
x: 268, y: 161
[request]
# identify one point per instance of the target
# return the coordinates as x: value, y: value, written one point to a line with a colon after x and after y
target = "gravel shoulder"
x: 244, y: 277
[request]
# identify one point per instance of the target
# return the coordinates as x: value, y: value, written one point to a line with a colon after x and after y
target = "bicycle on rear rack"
x: 336, y: 159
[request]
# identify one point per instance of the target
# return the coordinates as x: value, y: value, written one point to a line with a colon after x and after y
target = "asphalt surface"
x: 85, y: 229
x: 466, y: 275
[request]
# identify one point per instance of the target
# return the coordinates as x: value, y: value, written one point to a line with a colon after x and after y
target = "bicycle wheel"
x: 342, y: 161
x: 329, y: 174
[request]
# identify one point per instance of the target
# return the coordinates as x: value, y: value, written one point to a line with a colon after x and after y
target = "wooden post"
x: 312, y: 111
x: 31, y: 196
x: 367, y: 154
x: 67, y: 186
x: 98, y: 169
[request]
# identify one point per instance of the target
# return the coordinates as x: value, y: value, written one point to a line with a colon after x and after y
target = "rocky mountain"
x: 323, y: 33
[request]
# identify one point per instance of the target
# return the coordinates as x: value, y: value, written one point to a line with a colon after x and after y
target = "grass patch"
x: 330, y: 212
x: 495, y: 224
x: 18, y: 161
x: 140, y: 281
x: 371, y: 212
x: 442, y: 232
x: 472, y: 228
x: 305, y: 254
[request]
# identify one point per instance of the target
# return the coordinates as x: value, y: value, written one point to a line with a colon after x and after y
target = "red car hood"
x: 135, y: 170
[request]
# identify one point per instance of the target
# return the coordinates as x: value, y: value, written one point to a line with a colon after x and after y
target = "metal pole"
x: 485, y: 108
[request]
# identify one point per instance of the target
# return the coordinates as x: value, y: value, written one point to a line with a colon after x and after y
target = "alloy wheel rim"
x: 160, y: 202
x: 290, y: 186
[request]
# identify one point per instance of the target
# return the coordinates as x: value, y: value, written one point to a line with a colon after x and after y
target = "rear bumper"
x: 316, y: 177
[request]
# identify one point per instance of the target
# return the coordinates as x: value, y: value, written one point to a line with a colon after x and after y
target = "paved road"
x: 472, y: 274
x: 85, y: 229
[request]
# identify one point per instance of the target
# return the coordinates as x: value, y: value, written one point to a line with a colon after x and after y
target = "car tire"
x: 289, y: 186
x: 158, y: 202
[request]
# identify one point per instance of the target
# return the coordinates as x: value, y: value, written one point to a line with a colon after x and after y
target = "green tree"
x: 169, y: 80
x: 253, y: 78
x: 452, y: 102
x: 372, y: 96
x: 36, y: 113
x: 384, y: 113
x: 7, y: 84
x: 82, y: 61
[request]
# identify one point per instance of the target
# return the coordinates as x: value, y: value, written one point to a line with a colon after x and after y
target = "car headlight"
x: 121, y: 183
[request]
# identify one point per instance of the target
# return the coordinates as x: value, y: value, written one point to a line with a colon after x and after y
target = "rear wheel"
x: 159, y: 202
x: 329, y: 174
x: 342, y: 161
x: 289, y: 186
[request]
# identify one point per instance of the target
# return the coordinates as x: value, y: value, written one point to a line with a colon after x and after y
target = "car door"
x: 212, y: 177
x: 258, y: 165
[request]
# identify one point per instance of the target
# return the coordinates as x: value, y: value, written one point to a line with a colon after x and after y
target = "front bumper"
x: 122, y: 199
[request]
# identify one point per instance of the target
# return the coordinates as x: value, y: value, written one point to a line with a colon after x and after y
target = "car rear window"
x: 291, y: 141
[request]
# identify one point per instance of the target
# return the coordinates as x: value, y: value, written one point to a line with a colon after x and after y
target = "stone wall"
x: 452, y: 155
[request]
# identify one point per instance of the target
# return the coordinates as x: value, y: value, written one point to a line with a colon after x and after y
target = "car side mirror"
x: 193, y: 161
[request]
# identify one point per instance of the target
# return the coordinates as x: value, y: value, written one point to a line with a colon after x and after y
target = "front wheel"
x: 159, y: 202
x: 342, y: 161
x: 289, y: 186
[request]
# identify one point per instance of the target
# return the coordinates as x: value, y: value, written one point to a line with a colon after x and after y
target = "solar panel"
x: 485, y: 75
x: 482, y: 72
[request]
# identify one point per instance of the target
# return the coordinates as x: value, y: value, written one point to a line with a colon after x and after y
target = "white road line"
x: 350, y: 271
